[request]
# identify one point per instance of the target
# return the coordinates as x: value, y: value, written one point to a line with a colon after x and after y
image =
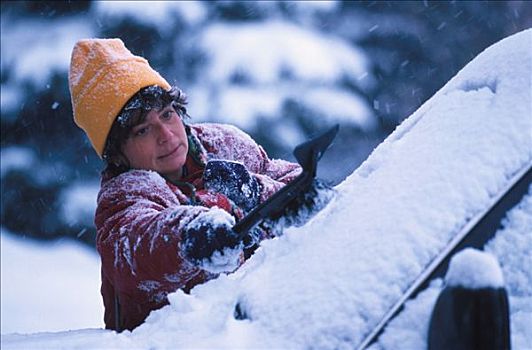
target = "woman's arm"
x: 227, y: 142
x: 274, y: 174
x: 139, y: 221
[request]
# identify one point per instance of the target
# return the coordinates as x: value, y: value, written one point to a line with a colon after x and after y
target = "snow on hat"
x: 103, y: 76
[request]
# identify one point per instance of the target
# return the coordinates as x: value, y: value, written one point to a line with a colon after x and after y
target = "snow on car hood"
x: 325, y: 285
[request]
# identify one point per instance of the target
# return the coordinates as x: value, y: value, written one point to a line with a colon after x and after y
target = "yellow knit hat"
x: 103, y: 76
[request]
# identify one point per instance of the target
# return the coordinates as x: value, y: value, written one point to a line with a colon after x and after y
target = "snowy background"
x: 373, y: 64
x: 281, y: 70
x: 48, y: 286
x: 325, y: 288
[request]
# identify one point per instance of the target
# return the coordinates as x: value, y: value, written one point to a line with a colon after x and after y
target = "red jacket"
x: 140, y: 216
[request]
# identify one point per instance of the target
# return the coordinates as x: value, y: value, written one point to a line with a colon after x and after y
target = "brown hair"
x: 134, y: 113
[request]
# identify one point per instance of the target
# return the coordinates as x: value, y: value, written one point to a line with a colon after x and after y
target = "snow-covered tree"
x: 281, y: 70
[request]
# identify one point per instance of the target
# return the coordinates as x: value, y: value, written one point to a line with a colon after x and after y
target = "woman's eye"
x: 168, y: 115
x: 141, y: 131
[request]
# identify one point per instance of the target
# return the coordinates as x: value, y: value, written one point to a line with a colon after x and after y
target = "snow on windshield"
x: 511, y: 247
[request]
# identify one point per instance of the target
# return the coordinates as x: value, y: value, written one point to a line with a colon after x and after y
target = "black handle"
x: 307, y: 154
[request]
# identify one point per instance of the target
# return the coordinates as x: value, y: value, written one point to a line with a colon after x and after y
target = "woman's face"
x: 159, y: 143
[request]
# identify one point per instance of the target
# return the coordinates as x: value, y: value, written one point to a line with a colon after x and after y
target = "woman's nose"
x: 164, y: 134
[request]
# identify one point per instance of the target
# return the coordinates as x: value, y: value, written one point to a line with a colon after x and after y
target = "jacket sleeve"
x: 230, y: 143
x: 274, y: 174
x: 139, y: 220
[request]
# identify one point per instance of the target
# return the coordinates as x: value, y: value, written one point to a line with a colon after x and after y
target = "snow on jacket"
x: 140, y: 217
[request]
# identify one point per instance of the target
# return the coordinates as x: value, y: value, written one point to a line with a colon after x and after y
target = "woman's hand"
x: 233, y: 180
x: 210, y: 243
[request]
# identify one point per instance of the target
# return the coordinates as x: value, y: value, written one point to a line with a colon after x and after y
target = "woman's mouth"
x: 169, y: 154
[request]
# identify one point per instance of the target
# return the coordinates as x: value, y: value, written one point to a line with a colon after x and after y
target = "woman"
x: 171, y: 191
